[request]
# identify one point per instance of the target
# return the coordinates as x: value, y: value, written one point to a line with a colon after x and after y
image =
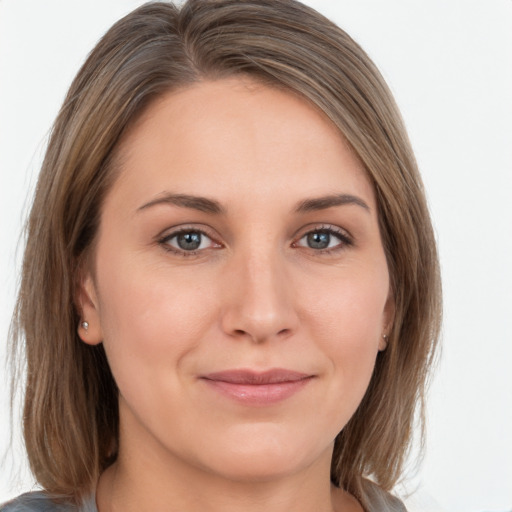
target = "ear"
x: 89, y: 328
x: 388, y: 320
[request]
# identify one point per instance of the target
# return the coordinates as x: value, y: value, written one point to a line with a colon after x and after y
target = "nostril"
x: 241, y: 333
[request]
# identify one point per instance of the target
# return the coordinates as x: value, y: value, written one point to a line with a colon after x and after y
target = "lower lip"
x: 258, y: 394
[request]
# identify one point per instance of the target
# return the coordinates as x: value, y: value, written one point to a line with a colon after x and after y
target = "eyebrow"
x: 325, y: 202
x: 203, y: 204
x: 206, y: 205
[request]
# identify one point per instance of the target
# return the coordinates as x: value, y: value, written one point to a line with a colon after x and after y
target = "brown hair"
x: 70, y: 410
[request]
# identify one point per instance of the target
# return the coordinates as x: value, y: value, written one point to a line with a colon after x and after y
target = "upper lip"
x: 252, y: 377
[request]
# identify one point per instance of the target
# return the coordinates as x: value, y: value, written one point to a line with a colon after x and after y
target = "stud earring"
x: 85, y: 325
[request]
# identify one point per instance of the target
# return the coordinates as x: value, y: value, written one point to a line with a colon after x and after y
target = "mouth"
x: 257, y: 388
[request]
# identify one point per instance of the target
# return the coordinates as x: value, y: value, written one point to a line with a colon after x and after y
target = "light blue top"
x: 377, y: 500
x: 40, y: 502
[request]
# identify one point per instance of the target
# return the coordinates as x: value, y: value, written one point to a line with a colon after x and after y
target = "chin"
x: 259, y: 469
x: 260, y: 455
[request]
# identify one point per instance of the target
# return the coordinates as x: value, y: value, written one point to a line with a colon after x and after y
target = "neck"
x: 131, y: 484
x: 148, y: 476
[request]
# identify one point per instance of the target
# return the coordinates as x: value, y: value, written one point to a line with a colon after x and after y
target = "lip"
x: 256, y: 388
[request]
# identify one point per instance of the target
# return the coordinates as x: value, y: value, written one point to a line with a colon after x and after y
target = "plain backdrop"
x: 449, y: 64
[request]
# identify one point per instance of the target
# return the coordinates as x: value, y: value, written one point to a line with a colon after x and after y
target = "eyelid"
x: 168, y: 234
x: 346, y: 239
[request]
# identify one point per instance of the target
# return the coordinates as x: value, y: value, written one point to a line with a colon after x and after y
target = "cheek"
x: 349, y: 309
x: 151, y: 318
x: 347, y: 320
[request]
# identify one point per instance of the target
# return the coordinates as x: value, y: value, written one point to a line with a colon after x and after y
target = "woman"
x: 233, y: 301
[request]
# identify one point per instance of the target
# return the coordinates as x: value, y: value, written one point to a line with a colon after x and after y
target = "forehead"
x: 214, y: 137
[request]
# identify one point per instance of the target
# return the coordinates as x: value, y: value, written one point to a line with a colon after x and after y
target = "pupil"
x: 189, y: 241
x: 319, y: 240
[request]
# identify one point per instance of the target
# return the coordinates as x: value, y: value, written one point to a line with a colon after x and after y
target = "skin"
x: 255, y: 295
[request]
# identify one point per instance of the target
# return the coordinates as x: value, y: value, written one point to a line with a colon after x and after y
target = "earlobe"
x: 383, y: 343
x: 89, y: 328
x: 389, y: 318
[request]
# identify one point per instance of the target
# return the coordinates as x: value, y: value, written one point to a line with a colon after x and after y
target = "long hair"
x: 70, y: 404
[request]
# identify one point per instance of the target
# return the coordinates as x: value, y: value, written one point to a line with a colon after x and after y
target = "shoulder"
x: 35, y: 502
x: 378, y: 500
x: 41, y: 502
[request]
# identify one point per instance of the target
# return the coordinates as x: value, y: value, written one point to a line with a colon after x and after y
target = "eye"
x: 187, y: 241
x: 324, y: 239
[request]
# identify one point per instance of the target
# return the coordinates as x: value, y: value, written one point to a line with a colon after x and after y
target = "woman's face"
x: 240, y: 286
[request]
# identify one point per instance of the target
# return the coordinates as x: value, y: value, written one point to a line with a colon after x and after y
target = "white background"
x: 449, y: 63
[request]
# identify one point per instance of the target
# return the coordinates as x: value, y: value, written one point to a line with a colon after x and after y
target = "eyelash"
x: 164, y: 241
x: 345, y: 240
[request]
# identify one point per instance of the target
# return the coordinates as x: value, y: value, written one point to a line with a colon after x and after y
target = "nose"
x: 259, y: 299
